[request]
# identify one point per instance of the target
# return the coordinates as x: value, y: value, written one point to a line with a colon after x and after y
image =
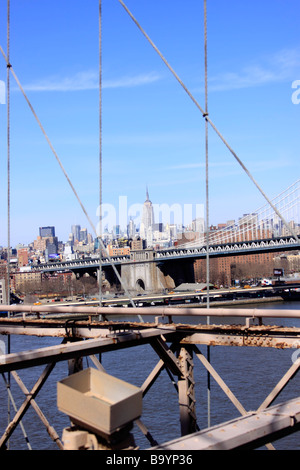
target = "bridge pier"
x: 145, y: 274
x: 142, y: 275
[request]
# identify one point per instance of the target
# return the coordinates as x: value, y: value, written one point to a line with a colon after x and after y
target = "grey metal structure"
x: 177, y: 347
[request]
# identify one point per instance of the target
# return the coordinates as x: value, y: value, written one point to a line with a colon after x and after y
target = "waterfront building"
x: 2, y: 291
x: 22, y: 257
x: 224, y: 270
x: 20, y: 278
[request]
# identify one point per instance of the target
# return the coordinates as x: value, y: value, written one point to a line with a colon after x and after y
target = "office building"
x: 47, y: 232
x: 75, y: 229
x: 2, y: 291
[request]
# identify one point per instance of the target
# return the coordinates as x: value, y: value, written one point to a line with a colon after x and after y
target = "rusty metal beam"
x: 235, y: 335
x: 225, y: 335
x: 74, y: 349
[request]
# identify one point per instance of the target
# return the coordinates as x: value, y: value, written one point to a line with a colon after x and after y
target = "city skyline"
x: 246, y: 222
x: 152, y: 133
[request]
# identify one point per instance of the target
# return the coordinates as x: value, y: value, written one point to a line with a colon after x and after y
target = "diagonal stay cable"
x: 204, y: 114
x: 66, y: 175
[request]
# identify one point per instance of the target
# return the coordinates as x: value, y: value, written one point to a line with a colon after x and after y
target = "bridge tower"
x: 142, y: 275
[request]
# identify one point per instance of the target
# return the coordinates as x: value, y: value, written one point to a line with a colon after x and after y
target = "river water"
x: 251, y: 373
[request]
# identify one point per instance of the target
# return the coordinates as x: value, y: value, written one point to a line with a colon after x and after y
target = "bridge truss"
x: 178, y: 346
x: 264, y: 223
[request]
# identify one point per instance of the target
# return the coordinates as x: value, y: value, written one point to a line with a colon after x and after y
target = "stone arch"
x: 140, y: 284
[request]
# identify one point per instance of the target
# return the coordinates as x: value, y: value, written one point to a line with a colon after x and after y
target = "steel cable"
x: 65, y: 173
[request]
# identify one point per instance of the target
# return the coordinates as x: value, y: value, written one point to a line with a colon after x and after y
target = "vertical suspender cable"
x: 101, y: 246
x: 8, y: 188
x: 67, y: 177
x: 206, y: 155
x: 8, y: 67
x: 207, y: 202
x: 8, y: 150
x: 100, y: 152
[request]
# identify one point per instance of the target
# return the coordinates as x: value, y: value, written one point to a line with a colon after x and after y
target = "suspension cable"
x: 206, y: 156
x: 207, y: 208
x: 66, y: 175
x: 100, y: 151
x: 8, y: 197
x: 8, y: 66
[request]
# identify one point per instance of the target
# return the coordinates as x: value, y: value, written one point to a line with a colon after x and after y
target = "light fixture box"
x: 99, y: 402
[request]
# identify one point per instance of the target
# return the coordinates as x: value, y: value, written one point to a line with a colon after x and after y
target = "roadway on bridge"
x: 197, y: 298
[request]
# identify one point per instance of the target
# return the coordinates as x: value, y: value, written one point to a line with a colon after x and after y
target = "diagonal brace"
x: 51, y: 431
x: 166, y: 354
x: 219, y: 380
x: 280, y: 386
x: 25, y: 405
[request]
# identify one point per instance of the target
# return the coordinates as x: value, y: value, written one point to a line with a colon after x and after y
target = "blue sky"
x: 152, y: 134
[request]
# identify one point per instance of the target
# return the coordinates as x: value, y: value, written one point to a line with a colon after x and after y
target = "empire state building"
x: 147, y: 218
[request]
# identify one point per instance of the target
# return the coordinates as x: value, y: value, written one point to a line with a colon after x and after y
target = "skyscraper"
x: 76, y: 232
x: 147, y: 217
x: 131, y: 229
x: 47, y: 231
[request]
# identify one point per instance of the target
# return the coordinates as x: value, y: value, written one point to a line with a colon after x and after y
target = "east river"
x: 250, y: 372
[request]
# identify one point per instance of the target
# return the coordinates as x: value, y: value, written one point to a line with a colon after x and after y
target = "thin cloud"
x: 189, y: 166
x: 126, y: 82
x: 282, y: 66
x: 258, y: 166
x: 89, y: 80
